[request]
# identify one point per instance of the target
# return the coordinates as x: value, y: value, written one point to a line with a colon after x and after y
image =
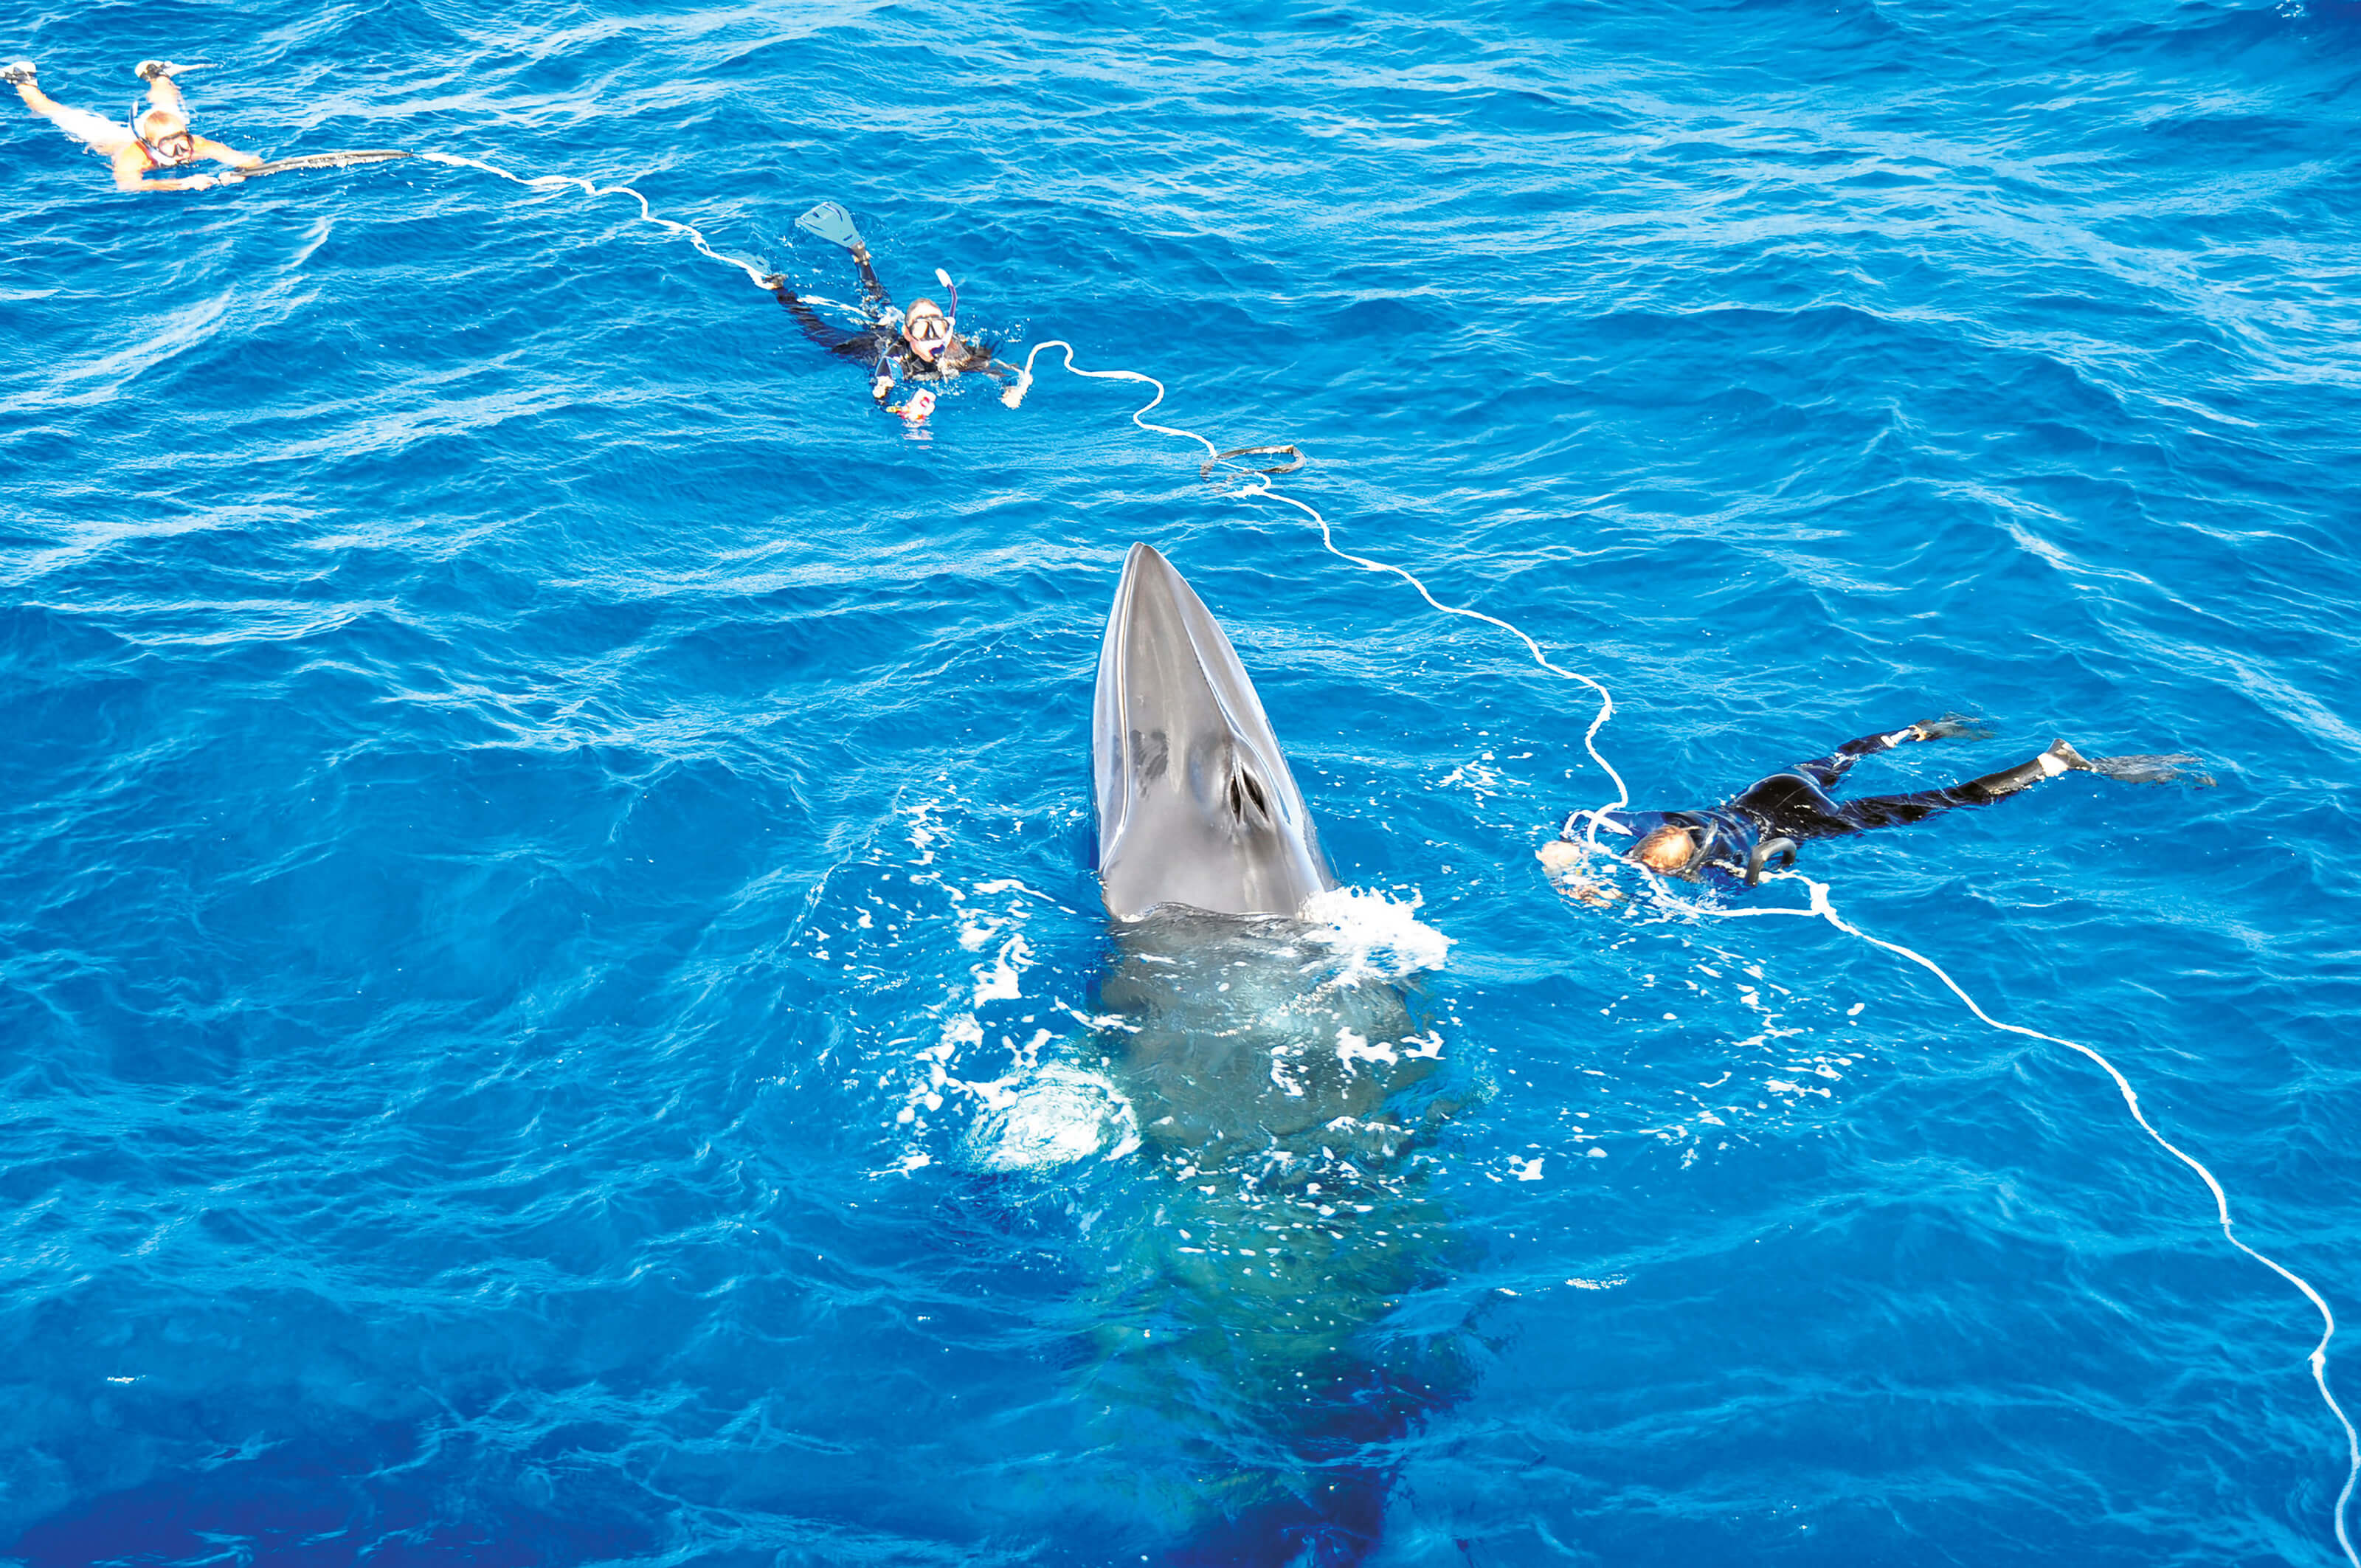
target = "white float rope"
x: 1820, y: 908
x: 556, y: 181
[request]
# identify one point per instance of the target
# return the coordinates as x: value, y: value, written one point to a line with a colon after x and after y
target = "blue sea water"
x: 538, y: 830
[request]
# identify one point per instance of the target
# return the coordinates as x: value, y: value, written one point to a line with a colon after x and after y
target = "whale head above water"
x: 1196, y: 808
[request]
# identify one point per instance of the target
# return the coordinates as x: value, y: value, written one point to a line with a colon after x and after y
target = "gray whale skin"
x: 1195, y: 804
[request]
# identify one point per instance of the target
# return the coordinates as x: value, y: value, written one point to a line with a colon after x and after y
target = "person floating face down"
x: 924, y: 347
x: 158, y: 136
x: 1732, y: 844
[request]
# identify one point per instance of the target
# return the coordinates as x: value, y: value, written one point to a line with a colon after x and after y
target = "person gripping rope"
x: 1733, y: 842
x: 157, y: 136
x: 921, y: 345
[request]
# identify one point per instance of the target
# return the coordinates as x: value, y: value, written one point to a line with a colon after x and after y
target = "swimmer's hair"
x: 1668, y: 850
x: 159, y: 122
x: 922, y: 307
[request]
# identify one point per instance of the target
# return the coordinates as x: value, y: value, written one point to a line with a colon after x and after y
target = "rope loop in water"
x: 647, y: 214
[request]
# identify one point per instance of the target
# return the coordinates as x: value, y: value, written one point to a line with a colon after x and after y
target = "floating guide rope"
x: 556, y: 181
x: 1820, y: 908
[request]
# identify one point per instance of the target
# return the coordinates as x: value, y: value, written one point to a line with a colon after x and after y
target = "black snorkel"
x: 155, y: 154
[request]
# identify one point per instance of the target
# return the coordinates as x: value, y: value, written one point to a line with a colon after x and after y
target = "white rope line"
x: 1823, y: 909
x: 554, y: 181
x: 1212, y: 451
x: 1820, y: 908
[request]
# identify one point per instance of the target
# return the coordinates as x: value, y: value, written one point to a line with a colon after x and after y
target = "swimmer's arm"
x: 207, y: 147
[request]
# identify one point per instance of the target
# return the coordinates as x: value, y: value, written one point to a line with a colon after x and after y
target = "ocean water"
x: 554, y: 1007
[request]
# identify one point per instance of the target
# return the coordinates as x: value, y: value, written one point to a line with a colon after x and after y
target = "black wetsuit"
x: 1773, y: 816
x: 881, y: 346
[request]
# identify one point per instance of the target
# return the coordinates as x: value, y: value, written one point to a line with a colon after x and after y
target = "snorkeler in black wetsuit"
x: 920, y: 345
x: 1773, y: 817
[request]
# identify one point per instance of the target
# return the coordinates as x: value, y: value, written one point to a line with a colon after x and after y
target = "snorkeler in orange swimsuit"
x: 157, y: 136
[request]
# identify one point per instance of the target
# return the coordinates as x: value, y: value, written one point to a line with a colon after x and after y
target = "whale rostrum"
x: 1196, y: 807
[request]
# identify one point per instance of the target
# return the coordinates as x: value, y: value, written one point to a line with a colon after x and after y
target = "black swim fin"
x: 832, y: 224
x: 2150, y: 769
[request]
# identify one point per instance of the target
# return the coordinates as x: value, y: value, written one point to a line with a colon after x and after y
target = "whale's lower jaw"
x: 1196, y: 807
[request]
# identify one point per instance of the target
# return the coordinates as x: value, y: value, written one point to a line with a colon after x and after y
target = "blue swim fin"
x: 832, y: 224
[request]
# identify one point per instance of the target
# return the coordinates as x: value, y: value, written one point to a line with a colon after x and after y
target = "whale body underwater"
x: 1269, y: 1100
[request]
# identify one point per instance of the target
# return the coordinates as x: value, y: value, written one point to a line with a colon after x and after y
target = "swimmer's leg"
x: 1896, y: 810
x: 101, y: 136
x: 163, y: 92
x: 1827, y: 770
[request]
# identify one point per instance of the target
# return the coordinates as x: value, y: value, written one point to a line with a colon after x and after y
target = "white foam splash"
x: 1002, y: 982
x: 1377, y: 935
x: 1056, y: 1115
x: 1352, y: 1048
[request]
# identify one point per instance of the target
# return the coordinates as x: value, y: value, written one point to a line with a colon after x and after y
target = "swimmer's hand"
x: 1563, y: 860
x: 774, y: 282
x: 882, y: 388
x: 1952, y: 727
x: 1016, y: 394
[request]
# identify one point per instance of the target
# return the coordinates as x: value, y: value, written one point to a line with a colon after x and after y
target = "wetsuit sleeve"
x: 835, y: 339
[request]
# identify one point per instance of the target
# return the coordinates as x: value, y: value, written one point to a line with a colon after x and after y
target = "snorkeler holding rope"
x: 157, y: 138
x: 1766, y: 822
x: 920, y: 344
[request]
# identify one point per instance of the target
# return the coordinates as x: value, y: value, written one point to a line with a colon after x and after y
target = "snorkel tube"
x: 155, y: 154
